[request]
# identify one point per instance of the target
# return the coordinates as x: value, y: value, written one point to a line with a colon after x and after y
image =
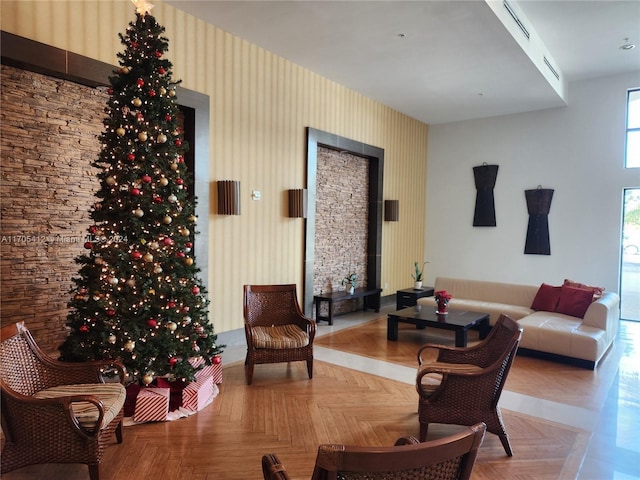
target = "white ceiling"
x: 437, y: 60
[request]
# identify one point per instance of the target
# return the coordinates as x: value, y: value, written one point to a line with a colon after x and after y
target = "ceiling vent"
x: 553, y: 70
x: 516, y: 19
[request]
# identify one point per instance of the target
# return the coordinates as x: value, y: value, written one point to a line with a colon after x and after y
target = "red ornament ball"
x: 134, y: 191
x: 171, y: 304
x: 195, y: 290
x: 152, y: 93
x: 83, y: 328
x: 140, y: 82
x: 173, y: 361
x: 178, y: 142
x: 180, y: 254
x: 161, y: 70
x: 168, y: 241
x: 131, y: 157
x: 216, y: 360
x: 188, y: 244
x: 157, y: 199
x: 151, y: 323
x: 111, y: 312
x: 146, y: 179
x: 157, y: 53
x: 136, y: 255
x: 179, y: 181
x: 88, y: 245
x: 168, y: 117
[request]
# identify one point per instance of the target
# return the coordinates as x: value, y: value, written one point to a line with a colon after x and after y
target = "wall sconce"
x: 391, y: 210
x: 298, y: 203
x: 229, y: 197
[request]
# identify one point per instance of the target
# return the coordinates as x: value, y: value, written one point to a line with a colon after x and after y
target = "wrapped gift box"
x: 152, y: 405
x: 197, y: 395
x: 214, y: 370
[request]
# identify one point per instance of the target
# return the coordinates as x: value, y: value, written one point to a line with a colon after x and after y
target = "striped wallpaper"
x: 260, y: 106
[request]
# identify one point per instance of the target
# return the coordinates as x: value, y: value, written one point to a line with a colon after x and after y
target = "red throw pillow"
x: 597, y: 291
x: 574, y: 301
x: 547, y: 298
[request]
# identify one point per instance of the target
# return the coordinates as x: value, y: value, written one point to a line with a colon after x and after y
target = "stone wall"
x: 341, y: 221
x: 49, y: 132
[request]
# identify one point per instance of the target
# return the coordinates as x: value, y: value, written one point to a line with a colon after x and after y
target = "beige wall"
x: 260, y: 107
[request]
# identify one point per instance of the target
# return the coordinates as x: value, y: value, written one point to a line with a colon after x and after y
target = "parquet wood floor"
x: 284, y: 412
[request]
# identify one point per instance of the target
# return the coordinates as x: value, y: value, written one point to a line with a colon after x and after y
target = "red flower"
x: 443, y: 295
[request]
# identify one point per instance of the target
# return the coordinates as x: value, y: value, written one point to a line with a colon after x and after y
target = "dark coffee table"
x: 460, y: 321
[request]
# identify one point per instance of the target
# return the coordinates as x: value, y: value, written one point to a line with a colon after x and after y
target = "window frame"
x: 629, y: 130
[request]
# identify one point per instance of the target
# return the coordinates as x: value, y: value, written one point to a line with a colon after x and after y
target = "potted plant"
x: 417, y: 275
x: 350, y: 282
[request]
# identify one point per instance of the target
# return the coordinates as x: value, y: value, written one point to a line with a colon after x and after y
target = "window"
x: 632, y: 157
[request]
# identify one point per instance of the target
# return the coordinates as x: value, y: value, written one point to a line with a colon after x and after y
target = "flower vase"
x: 442, y: 307
x: 417, y: 285
x: 351, y: 289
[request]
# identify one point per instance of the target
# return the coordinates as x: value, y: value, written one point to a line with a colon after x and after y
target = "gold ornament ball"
x: 147, y: 379
x: 162, y: 138
x: 129, y: 345
x: 157, y: 269
x: 193, y: 218
x: 164, y: 182
x: 154, y: 245
x: 173, y: 326
x: 163, y: 91
x: 172, y: 93
x: 120, y: 131
x: 136, y: 102
x: 188, y: 261
x: 131, y: 282
x: 142, y: 136
x: 111, y: 181
x: 147, y: 257
x: 185, y: 232
x: 125, y: 70
x: 112, y: 338
x: 138, y: 212
x: 174, y: 166
x: 167, y: 220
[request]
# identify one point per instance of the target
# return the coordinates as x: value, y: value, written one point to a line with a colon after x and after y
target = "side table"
x: 408, y: 297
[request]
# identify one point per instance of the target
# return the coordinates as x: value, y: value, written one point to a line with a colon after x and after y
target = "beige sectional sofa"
x: 583, y: 341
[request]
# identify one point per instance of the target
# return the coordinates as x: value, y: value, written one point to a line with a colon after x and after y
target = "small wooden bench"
x: 371, y: 300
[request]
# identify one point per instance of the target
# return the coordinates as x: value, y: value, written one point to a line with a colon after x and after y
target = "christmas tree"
x: 138, y: 297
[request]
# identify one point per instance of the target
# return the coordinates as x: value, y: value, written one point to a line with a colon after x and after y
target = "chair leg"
x: 94, y: 471
x: 505, y: 443
x: 310, y: 367
x: 249, y: 373
x: 119, y: 432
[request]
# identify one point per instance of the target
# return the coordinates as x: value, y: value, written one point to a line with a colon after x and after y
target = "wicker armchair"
x: 449, y: 458
x: 275, y: 327
x: 463, y: 385
x: 55, y: 412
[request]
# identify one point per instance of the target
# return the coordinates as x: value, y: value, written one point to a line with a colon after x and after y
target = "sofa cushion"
x: 547, y: 298
x: 495, y: 292
x: 561, y: 334
x: 574, y: 301
x: 597, y: 291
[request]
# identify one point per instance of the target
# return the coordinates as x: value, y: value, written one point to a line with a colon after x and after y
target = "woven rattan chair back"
x: 466, y: 397
x: 449, y: 458
x: 268, y: 306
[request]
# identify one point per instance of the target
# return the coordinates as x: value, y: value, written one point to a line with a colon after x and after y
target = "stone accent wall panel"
x: 49, y: 132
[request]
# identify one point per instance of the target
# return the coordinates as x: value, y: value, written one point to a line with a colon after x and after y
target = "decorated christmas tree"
x: 138, y: 297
